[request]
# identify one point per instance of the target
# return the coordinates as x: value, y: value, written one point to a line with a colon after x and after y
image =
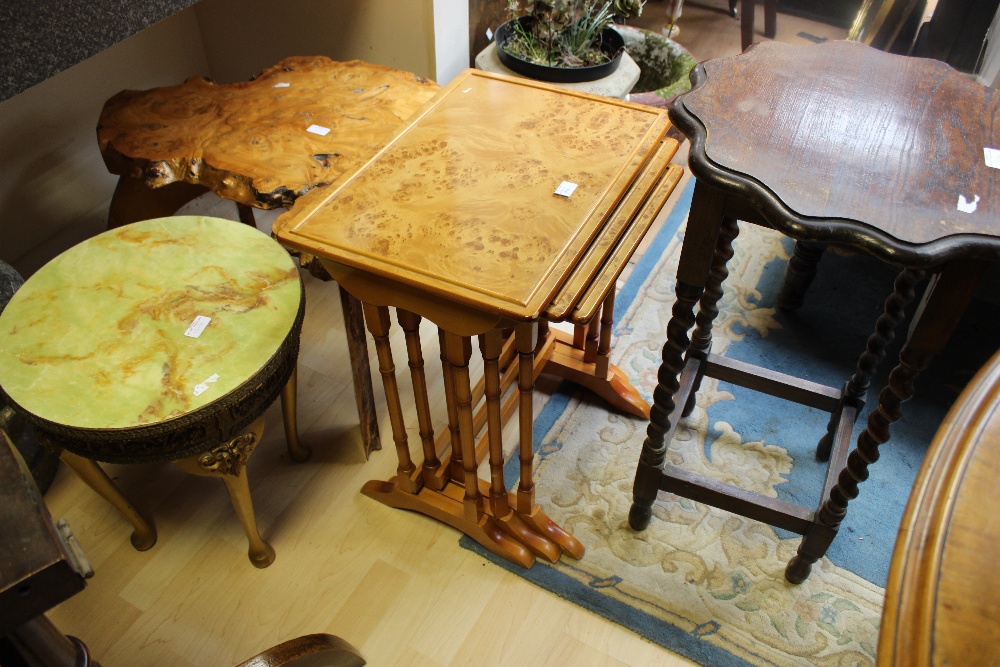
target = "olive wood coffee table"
x: 263, y: 143
x: 106, y: 351
x: 458, y: 220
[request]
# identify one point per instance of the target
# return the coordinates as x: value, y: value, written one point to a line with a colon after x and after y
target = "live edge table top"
x: 461, y: 202
x: 867, y: 148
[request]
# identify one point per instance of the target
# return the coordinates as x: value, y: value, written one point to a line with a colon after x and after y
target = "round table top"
x: 940, y: 604
x: 840, y: 142
x: 96, y: 338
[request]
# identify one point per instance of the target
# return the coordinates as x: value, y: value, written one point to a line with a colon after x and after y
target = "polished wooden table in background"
x: 941, y: 602
x: 457, y: 220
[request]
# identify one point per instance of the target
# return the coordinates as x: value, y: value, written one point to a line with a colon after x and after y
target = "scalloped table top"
x: 842, y: 131
x: 96, y: 338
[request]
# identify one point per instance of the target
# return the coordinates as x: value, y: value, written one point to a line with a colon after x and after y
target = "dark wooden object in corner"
x: 870, y: 150
x: 37, y: 572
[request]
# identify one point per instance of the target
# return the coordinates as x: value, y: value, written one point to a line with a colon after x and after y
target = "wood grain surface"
x: 844, y: 131
x: 941, y: 607
x: 461, y: 202
x: 249, y: 141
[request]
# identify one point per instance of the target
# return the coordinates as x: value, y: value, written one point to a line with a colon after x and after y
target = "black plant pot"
x: 612, y: 44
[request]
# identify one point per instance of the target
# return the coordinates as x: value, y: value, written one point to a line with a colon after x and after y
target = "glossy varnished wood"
x: 939, y: 607
x: 249, y: 141
x: 843, y: 143
x: 471, y: 215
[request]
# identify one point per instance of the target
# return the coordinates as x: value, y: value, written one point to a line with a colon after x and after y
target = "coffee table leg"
x: 357, y: 347
x: 296, y: 450
x: 93, y: 475
x: 228, y: 462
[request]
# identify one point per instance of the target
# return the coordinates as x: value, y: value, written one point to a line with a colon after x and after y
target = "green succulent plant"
x: 565, y: 33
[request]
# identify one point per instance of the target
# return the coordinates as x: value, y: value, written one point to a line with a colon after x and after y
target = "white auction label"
x: 967, y: 205
x: 199, y: 324
x: 992, y: 157
x: 565, y: 189
x: 283, y: 84
x: 489, y: 34
x: 202, y: 387
x: 318, y: 129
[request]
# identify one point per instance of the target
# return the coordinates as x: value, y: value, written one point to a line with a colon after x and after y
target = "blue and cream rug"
x: 709, y: 584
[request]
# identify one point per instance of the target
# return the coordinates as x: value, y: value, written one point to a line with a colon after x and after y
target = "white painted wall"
x: 451, y: 38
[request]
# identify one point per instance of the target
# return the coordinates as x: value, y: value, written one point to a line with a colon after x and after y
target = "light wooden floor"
x: 395, y: 584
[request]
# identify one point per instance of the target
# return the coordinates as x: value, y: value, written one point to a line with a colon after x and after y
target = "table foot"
x: 143, y: 532
x: 567, y: 362
x: 228, y: 461
x: 447, y: 507
x: 552, y: 531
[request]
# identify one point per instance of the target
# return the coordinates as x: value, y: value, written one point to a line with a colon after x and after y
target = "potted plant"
x: 564, y: 40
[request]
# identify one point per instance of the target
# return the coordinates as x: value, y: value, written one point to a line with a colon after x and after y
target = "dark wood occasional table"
x: 262, y: 144
x: 504, y: 205
x: 163, y: 340
x: 940, y: 606
x: 834, y: 143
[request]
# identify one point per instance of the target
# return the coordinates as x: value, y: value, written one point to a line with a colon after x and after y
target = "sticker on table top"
x: 318, y: 129
x: 202, y: 387
x: 966, y: 206
x: 489, y: 34
x: 283, y: 84
x: 565, y: 189
x: 992, y: 157
x: 199, y: 324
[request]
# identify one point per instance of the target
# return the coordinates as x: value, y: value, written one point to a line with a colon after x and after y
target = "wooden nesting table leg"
x: 584, y: 358
x: 525, y: 338
x: 143, y: 532
x: 228, y: 462
x: 289, y: 411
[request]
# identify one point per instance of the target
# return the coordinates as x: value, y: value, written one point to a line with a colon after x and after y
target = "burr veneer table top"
x: 461, y: 204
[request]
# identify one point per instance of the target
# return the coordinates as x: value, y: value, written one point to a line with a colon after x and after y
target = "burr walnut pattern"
x: 249, y: 141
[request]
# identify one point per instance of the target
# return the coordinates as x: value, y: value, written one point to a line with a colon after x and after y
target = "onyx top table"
x: 940, y: 608
x: 458, y: 220
x: 296, y: 126
x: 101, y: 351
x: 833, y: 143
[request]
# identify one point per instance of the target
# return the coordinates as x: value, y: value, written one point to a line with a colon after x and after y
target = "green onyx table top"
x: 96, y: 338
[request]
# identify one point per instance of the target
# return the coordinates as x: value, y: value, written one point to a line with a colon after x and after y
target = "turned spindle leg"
x: 454, y: 437
x: 603, y: 363
x: 591, y: 344
x: 708, y: 306
x: 458, y: 349
x: 525, y: 338
x: 946, y: 298
x: 228, y: 461
x: 855, y: 390
x: 410, y: 324
x: 143, y: 532
x: 296, y: 450
x: 377, y: 318
x: 491, y: 344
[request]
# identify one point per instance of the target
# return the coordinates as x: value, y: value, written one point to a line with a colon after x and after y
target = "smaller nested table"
x: 833, y: 143
x: 163, y: 340
x: 940, y: 608
x: 505, y: 205
x: 263, y: 143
